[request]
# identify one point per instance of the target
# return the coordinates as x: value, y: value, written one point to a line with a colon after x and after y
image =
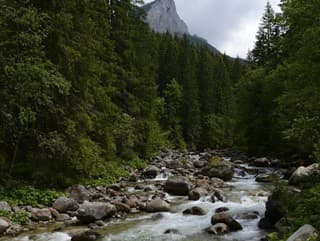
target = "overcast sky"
x: 229, y: 25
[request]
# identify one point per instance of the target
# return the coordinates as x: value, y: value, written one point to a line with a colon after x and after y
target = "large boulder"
x: 277, y: 206
x: 226, y: 219
x: 197, y: 193
x: 41, y: 214
x: 220, y: 168
x: 93, y: 211
x: 4, y: 206
x: 194, y: 211
x: 151, y: 172
x: 158, y: 205
x: 4, y: 224
x: 177, y: 185
x: 305, y: 233
x: 79, y: 193
x: 305, y: 174
x: 261, y: 162
x: 63, y: 204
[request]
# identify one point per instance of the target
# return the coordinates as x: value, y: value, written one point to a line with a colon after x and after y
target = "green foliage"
x: 28, y: 195
x: 87, y: 87
x: 19, y: 217
x: 307, y: 209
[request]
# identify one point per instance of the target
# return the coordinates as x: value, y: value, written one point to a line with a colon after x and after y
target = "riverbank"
x: 184, y: 196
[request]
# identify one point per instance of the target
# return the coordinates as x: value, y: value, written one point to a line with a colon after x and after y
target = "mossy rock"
x: 216, y: 161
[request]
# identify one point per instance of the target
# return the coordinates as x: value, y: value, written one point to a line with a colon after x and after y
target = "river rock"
x: 226, y: 219
x: 248, y: 215
x: 177, y: 185
x: 261, y: 162
x: 219, y: 229
x: 306, y: 174
x: 157, y: 205
x: 79, y: 193
x: 267, y: 178
x: 305, y: 233
x: 63, y: 217
x: 197, y: 193
x: 4, y: 206
x: 171, y: 231
x: 92, y: 211
x: 276, y: 207
x: 199, y: 164
x: 43, y: 214
x: 86, y: 236
x: 63, y: 204
x: 151, y: 172
x: 4, y: 224
x: 14, y: 229
x: 217, y: 182
x: 220, y: 168
x: 194, y: 211
x: 121, y: 207
x: 221, y: 209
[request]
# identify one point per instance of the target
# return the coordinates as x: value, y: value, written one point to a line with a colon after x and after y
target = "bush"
x: 20, y: 217
x: 29, y: 195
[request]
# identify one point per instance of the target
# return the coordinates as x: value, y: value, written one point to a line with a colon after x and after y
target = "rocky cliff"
x: 162, y: 16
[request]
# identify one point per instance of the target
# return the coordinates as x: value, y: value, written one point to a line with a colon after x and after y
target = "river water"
x: 243, y: 196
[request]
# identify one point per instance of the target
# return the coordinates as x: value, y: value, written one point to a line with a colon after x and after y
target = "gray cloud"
x: 229, y: 25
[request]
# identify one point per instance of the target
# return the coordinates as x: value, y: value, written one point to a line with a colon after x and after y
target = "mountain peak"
x: 162, y: 17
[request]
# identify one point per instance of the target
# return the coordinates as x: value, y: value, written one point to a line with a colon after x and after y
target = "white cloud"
x: 229, y: 25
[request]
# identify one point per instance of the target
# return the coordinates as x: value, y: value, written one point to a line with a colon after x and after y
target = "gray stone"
x: 226, y: 219
x: 177, y: 186
x: 305, y: 174
x: 305, y: 233
x: 4, y: 224
x: 63, y: 217
x: 261, y: 162
x: 151, y: 172
x: 197, y: 193
x: 158, y: 205
x: 194, y: 211
x: 121, y: 207
x: 79, y: 193
x: 220, y: 168
x: 92, y: 211
x: 4, y: 206
x: 63, y: 204
x: 41, y: 214
x: 86, y: 236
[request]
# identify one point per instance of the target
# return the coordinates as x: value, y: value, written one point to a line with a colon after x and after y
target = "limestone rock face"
x: 162, y: 17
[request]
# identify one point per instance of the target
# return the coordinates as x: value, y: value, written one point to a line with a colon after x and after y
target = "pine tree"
x: 265, y: 49
x: 191, y: 105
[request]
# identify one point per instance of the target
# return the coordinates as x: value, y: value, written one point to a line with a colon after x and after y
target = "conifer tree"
x: 265, y: 49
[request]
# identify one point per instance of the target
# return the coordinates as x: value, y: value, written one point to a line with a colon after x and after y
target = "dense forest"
x: 88, y: 92
x: 86, y: 87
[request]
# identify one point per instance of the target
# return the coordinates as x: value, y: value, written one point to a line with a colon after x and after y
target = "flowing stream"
x: 245, y: 199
